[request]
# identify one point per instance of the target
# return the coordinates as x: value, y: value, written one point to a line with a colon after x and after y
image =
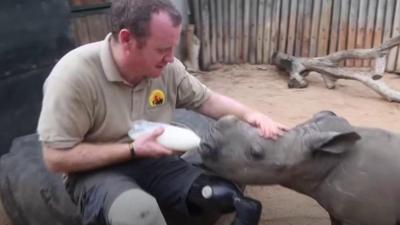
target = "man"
x: 95, y: 92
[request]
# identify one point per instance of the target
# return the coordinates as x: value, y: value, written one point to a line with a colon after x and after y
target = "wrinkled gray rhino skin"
x: 352, y: 172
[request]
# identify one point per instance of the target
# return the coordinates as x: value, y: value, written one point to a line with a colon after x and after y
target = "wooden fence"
x: 238, y: 31
x: 90, y: 20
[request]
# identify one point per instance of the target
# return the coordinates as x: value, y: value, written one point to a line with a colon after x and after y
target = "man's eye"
x: 164, y: 50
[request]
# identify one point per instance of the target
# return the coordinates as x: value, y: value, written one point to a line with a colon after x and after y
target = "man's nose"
x: 169, y: 57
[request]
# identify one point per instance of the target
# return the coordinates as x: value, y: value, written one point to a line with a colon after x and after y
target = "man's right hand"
x: 146, y: 145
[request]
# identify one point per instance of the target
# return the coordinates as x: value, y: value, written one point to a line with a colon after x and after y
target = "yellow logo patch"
x: 157, y: 97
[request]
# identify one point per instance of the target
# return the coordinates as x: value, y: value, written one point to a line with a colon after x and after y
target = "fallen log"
x: 329, y: 67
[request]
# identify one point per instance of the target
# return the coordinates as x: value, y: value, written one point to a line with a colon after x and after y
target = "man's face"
x: 158, y: 49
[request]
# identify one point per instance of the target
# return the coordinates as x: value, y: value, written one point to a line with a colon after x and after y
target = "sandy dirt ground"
x: 264, y: 88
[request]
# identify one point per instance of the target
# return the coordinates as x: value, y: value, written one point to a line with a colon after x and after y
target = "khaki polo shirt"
x: 86, y: 99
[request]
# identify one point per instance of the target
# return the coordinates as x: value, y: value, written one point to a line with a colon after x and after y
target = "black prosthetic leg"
x: 217, y: 195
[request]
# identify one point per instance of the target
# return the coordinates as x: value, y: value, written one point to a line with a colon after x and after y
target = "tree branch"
x: 328, y: 66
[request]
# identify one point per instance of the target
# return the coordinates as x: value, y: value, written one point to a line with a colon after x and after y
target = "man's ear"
x: 332, y: 141
x: 124, y: 36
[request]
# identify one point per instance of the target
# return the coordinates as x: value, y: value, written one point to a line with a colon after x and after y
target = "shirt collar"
x: 108, y: 63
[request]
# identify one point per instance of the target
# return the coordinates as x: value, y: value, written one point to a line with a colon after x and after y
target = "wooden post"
x: 81, y: 29
x: 267, y: 31
x: 232, y: 28
x: 205, y: 35
x: 225, y: 11
x: 334, y: 37
x: 239, y: 31
x: 380, y: 16
x: 283, y: 30
x: 305, y: 48
x: 292, y: 28
x: 351, y: 41
x: 299, y: 28
x: 391, y: 64
x: 253, y: 31
x: 369, y: 37
x: 213, y: 34
x: 276, y: 9
x: 220, y: 34
x: 246, y: 30
x: 315, y: 28
x: 343, y: 24
x: 378, y: 31
x: 260, y: 26
x: 361, y: 24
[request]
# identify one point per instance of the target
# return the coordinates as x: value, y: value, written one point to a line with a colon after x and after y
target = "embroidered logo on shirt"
x: 157, y: 97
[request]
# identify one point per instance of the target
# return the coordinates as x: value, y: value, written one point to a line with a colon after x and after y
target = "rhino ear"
x: 332, y: 142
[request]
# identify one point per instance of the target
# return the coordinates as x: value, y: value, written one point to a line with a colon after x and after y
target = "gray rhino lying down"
x: 353, y: 172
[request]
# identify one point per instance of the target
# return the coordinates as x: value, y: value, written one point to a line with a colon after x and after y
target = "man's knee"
x: 135, y: 207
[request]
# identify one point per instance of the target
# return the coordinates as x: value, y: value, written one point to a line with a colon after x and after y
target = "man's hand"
x: 147, y: 146
x: 266, y: 126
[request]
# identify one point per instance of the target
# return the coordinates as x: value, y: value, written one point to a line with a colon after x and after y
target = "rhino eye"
x: 256, y: 153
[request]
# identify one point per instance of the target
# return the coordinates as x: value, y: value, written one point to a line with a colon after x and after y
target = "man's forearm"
x: 85, y: 156
x: 218, y: 105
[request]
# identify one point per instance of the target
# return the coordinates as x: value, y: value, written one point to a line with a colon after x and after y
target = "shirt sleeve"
x: 191, y: 92
x: 65, y: 118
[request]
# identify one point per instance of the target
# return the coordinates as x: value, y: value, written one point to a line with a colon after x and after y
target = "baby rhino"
x: 353, y: 172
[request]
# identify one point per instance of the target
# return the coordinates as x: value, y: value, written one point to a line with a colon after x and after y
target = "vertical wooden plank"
x: 315, y: 28
x: 397, y: 69
x: 267, y: 31
x: 220, y: 21
x: 284, y: 25
x: 253, y: 31
x: 83, y: 36
x: 197, y: 19
x: 305, y: 49
x: 232, y: 30
x: 351, y: 41
x: 379, y: 24
x: 97, y: 27
x: 205, y: 35
x: 370, y: 28
x: 299, y: 28
x: 380, y: 17
x: 239, y: 25
x: 324, y: 27
x: 93, y: 27
x: 390, y: 5
x: 292, y: 27
x: 391, y: 63
x: 275, y: 27
x: 246, y: 30
x: 260, y: 30
x: 361, y: 24
x: 225, y: 11
x: 334, y: 37
x: 198, y: 25
x: 343, y: 24
x: 388, y: 24
x: 213, y: 33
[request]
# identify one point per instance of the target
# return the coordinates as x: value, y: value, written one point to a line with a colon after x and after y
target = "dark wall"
x: 34, y: 35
